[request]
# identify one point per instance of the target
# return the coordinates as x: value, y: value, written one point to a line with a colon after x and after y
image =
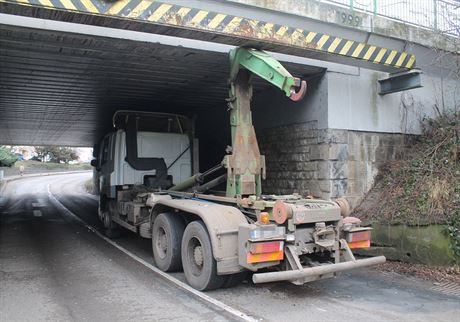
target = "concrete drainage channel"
x: 200, y: 295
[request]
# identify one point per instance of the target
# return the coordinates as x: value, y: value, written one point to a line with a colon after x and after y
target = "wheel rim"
x: 161, y: 243
x: 195, y: 256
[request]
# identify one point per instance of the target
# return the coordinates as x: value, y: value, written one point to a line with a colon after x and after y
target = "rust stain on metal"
x: 245, y: 29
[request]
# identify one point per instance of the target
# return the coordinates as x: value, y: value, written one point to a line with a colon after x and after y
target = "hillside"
x: 424, y: 188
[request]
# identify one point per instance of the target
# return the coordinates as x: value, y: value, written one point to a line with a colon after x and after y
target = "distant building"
x: 24, y: 152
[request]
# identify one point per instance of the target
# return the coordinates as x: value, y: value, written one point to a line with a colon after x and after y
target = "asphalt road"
x: 53, y: 268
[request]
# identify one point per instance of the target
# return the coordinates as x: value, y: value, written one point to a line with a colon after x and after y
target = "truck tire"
x: 102, y: 207
x: 99, y: 214
x: 167, y: 234
x: 200, y: 267
x: 111, y: 228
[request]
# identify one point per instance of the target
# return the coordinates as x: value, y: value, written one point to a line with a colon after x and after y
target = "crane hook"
x: 297, y: 96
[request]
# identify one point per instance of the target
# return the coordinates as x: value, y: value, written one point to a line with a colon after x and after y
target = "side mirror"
x: 94, y: 163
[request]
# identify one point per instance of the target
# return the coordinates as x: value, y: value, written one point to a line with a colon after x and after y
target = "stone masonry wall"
x: 326, y: 163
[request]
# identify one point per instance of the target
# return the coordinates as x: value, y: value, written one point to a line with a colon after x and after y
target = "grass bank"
x: 424, y: 187
x: 29, y: 164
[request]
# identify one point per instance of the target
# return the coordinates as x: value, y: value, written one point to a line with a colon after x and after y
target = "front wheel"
x: 99, y: 214
x: 111, y: 228
x: 200, y: 267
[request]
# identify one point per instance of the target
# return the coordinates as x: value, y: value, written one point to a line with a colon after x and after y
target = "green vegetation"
x: 452, y: 230
x: 7, y: 158
x: 424, y: 188
x: 56, y: 154
x: 89, y: 186
x: 30, y: 164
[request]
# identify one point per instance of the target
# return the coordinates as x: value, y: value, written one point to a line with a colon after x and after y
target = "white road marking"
x: 37, y: 204
x: 37, y: 213
x: 182, y: 285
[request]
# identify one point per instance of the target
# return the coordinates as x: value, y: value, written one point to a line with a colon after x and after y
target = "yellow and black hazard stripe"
x: 179, y: 16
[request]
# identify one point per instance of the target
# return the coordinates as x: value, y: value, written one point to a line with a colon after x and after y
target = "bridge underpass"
x: 48, y: 75
x: 62, y: 88
x: 68, y: 65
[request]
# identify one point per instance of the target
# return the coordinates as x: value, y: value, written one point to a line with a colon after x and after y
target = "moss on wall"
x: 413, y: 244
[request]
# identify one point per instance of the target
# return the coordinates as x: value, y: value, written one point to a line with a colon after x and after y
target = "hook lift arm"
x: 268, y: 68
x: 245, y: 166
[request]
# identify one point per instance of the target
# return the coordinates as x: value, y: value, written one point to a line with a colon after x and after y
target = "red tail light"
x: 265, y: 252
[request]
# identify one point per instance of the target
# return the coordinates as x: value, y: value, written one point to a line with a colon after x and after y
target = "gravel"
x: 435, y: 274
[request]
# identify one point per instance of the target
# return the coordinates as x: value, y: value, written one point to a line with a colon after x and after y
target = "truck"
x: 218, y: 226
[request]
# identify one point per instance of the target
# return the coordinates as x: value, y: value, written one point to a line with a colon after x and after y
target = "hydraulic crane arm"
x: 268, y: 68
x: 245, y: 166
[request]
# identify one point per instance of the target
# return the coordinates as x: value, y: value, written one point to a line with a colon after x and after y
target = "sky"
x: 85, y: 154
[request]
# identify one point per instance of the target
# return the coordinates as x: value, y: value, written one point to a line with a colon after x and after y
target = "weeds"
x: 452, y: 230
x: 89, y: 186
x: 425, y: 187
x: 29, y: 164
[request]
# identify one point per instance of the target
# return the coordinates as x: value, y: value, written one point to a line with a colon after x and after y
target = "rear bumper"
x: 316, y: 271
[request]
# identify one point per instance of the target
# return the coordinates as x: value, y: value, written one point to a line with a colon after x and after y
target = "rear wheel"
x: 167, y: 234
x: 200, y: 267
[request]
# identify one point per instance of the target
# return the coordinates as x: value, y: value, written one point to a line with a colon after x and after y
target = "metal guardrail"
x: 438, y: 15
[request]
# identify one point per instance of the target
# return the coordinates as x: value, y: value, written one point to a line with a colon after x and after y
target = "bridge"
x: 67, y: 65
